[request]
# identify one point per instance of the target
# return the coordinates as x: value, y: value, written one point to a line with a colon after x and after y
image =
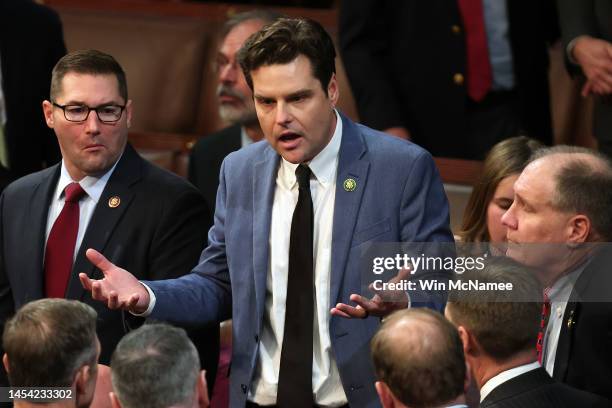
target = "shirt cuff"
x: 152, y: 300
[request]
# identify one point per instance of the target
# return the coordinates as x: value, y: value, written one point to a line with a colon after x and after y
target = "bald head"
x: 419, y: 355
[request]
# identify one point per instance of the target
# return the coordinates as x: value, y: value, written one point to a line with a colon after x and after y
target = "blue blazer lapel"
x: 352, y: 164
x: 264, y: 182
x: 105, y: 218
x: 33, y: 255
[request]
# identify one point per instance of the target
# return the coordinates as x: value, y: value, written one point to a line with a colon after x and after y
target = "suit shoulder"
x: 164, y: 181
x: 383, y: 143
x: 25, y: 184
x: 223, y: 139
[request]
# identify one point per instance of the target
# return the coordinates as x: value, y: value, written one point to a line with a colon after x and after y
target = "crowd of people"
x: 115, y: 274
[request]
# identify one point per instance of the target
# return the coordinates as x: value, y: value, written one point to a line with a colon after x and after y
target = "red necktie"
x: 543, y: 323
x: 479, y: 74
x: 60, y: 245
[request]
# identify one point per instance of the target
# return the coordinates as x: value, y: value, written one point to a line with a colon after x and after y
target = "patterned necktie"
x: 295, y: 373
x: 60, y: 245
x: 479, y: 72
x: 543, y: 324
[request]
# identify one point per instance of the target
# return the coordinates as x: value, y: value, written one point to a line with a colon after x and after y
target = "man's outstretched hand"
x: 119, y: 289
x: 380, y: 305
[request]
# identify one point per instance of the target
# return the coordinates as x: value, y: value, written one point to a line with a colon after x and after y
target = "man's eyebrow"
x: 300, y: 94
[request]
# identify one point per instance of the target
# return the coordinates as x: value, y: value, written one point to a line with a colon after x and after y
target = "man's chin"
x: 235, y: 116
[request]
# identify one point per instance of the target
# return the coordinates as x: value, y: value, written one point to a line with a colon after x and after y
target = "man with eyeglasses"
x: 102, y: 195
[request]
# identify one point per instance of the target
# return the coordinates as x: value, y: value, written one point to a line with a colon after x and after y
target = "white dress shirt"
x: 327, y: 387
x: 559, y: 294
x: 93, y: 186
x: 505, y: 376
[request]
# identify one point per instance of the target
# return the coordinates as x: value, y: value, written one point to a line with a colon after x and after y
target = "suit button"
x: 458, y: 79
x: 455, y: 29
x: 256, y: 339
x: 244, y: 388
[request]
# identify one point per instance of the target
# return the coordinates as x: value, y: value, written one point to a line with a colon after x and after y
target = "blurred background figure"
x: 53, y: 343
x: 586, y: 27
x: 454, y: 76
x: 418, y: 358
x: 236, y: 107
x: 156, y: 366
x: 493, y: 194
x: 31, y: 42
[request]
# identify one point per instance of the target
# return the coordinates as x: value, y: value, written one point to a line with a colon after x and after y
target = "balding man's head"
x: 418, y: 355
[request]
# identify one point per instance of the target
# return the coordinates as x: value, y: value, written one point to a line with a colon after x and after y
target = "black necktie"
x: 295, y: 374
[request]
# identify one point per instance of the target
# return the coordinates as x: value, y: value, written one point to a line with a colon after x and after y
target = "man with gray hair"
x: 52, y: 343
x: 560, y: 223
x: 156, y: 366
x: 236, y: 107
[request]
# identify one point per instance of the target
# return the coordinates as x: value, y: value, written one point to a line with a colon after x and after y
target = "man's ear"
x: 5, y: 362
x: 384, y: 394
x: 333, y: 91
x: 579, y: 229
x: 468, y: 341
x: 202, y: 390
x: 48, y: 112
x: 114, y: 400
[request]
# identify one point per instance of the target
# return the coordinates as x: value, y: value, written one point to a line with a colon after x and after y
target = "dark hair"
x: 48, y: 340
x: 263, y: 15
x: 91, y: 62
x: 508, y: 157
x: 423, y: 363
x: 283, y: 41
x: 583, y: 185
x: 155, y: 366
x: 503, y: 322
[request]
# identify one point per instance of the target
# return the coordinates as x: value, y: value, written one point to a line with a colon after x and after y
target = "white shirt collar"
x: 93, y: 186
x: 323, y: 166
x: 504, y: 376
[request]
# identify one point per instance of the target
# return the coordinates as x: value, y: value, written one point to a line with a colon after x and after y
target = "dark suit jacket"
x: 584, y: 351
x: 535, y: 389
x: 155, y: 233
x: 401, y: 57
x: 594, y: 18
x: 205, y: 163
x: 31, y: 42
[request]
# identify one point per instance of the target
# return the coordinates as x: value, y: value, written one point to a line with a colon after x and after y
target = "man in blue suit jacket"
x: 365, y: 187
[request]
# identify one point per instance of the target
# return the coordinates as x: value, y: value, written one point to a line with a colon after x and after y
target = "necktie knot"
x: 302, y: 173
x: 74, y: 192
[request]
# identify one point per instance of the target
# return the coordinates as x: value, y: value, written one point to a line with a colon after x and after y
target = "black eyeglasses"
x: 80, y: 113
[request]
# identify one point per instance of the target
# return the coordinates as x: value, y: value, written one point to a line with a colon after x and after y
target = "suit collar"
x: 353, y: 166
x: 518, y: 385
x: 106, y: 215
x: 506, y: 376
x: 264, y: 182
x: 586, y: 288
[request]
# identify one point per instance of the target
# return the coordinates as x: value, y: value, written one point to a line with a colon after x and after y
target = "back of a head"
x: 504, y: 322
x: 418, y: 354
x: 155, y: 366
x: 283, y: 41
x: 583, y: 185
x: 48, y: 340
